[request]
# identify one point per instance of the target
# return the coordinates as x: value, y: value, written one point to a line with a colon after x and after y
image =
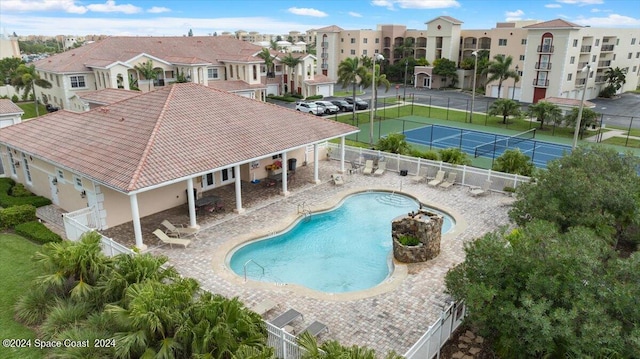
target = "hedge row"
x: 13, y: 216
x: 8, y: 200
x: 37, y: 231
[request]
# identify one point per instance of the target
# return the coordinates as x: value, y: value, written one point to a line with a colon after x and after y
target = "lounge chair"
x: 354, y: 167
x: 368, y: 167
x: 481, y: 191
x: 178, y: 231
x: 315, y: 328
x: 439, y: 178
x: 337, y: 179
x: 264, y: 307
x: 171, y: 240
x: 382, y: 166
x: 285, y: 318
x: 418, y: 178
x: 451, y: 180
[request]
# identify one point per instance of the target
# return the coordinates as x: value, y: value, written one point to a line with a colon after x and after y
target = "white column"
x: 342, y: 144
x: 135, y: 216
x: 316, y: 163
x: 238, y: 189
x: 191, y: 201
x: 285, y: 191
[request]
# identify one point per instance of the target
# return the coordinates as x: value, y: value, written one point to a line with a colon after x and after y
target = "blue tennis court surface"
x: 485, y: 144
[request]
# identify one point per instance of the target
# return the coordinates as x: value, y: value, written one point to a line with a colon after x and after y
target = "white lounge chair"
x: 178, y: 231
x: 451, y: 180
x: 439, y: 178
x: 315, y: 328
x: 481, y: 191
x: 285, y: 318
x: 382, y: 166
x: 264, y: 307
x: 419, y: 178
x: 171, y: 240
x: 337, y: 179
x: 368, y: 167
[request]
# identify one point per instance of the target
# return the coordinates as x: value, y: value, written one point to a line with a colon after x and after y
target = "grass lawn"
x: 29, y: 109
x: 622, y: 141
x: 17, y: 271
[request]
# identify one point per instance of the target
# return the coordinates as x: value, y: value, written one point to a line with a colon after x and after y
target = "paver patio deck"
x: 392, y: 320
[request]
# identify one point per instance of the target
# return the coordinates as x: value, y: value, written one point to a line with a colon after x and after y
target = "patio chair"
x: 285, y: 318
x: 354, y: 167
x: 337, y: 179
x: 163, y: 237
x: 178, y: 231
x: 481, y: 191
x: 315, y: 328
x: 419, y: 178
x: 264, y: 307
x: 382, y: 166
x: 368, y: 167
x: 438, y: 179
x: 451, y: 180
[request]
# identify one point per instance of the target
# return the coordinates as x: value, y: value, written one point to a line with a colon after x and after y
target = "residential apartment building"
x: 222, y: 62
x: 549, y: 56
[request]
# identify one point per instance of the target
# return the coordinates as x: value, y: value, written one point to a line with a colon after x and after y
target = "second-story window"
x: 212, y: 73
x: 77, y: 81
x: 502, y: 42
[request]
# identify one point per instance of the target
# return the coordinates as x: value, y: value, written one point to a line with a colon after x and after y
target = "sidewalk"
x: 610, y: 134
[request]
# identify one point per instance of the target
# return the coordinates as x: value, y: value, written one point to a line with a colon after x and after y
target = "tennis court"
x: 485, y: 144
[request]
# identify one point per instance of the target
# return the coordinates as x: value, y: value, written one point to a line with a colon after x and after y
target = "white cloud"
x: 581, y: 2
x: 416, y: 4
x: 68, y: 6
x: 110, y: 6
x: 307, y: 12
x: 158, y: 9
x: 513, y: 15
x: 613, y: 20
x: 383, y: 3
x: 553, y: 6
x: 354, y: 14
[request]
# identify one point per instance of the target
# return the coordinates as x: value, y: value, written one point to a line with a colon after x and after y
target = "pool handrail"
x: 244, y: 267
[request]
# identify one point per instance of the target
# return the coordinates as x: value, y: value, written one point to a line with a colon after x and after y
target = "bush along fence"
x: 15, y: 194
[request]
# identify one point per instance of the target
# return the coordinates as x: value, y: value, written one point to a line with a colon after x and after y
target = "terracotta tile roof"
x: 180, y: 130
x: 7, y: 107
x: 568, y: 102
x: 557, y: 23
x: 107, y: 96
x: 320, y: 79
x: 446, y: 18
x: 196, y: 49
x: 235, y: 85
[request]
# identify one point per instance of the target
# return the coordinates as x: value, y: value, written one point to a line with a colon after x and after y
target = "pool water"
x: 346, y: 249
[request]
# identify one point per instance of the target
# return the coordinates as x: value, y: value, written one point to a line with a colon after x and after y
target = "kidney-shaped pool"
x: 345, y: 249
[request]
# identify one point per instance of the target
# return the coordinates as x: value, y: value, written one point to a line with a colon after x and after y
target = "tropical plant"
x: 616, y: 77
x: 34, y: 305
x: 265, y: 54
x: 133, y: 82
x: 589, y: 118
x: 394, y: 143
x: 514, y: 161
x: 504, y: 107
x: 334, y: 350
x: 428, y: 154
x: 544, y: 111
x: 26, y: 78
x: 291, y: 62
x: 447, y: 69
x: 8, y: 67
x: 499, y: 70
x: 146, y: 70
x: 454, y: 156
x: 351, y: 73
x: 404, y: 49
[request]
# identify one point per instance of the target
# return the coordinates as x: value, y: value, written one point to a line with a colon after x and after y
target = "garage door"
x: 272, y: 89
x: 246, y: 94
x: 324, y: 90
x: 494, y: 91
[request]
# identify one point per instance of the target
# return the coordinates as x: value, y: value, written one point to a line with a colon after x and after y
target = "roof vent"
x: 122, y: 119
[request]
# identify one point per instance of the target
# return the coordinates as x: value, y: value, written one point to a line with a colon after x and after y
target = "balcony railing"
x: 543, y: 66
x: 601, y: 79
x: 581, y: 65
x: 606, y: 48
x: 540, y: 83
x: 605, y: 63
x: 324, y: 44
x: 324, y: 66
x: 580, y: 82
x: 324, y: 55
x: 545, y: 49
x: 585, y: 48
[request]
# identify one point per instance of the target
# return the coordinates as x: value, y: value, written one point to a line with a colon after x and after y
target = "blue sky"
x: 166, y: 18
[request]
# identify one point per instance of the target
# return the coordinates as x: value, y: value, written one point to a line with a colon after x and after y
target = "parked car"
x: 309, y: 107
x: 327, y: 107
x: 359, y: 103
x: 51, y: 108
x: 343, y: 105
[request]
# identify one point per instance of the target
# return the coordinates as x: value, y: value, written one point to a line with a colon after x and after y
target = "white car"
x: 309, y: 107
x: 327, y: 107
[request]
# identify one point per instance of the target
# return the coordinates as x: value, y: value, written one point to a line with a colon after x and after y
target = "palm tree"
x: 616, y: 77
x: 505, y: 108
x: 265, y: 54
x: 543, y: 111
x: 405, y: 49
x: 589, y: 118
x: 291, y: 62
x: 499, y: 70
x: 25, y: 77
x: 147, y: 71
x: 350, y: 72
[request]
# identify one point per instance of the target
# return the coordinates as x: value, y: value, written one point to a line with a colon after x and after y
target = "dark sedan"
x: 343, y: 105
x: 360, y: 103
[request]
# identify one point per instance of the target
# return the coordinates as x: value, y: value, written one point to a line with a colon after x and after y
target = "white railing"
x: 429, y: 345
x: 85, y: 220
x: 466, y: 175
x: 285, y: 344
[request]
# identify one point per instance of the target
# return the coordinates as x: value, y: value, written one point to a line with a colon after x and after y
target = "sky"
x: 205, y: 17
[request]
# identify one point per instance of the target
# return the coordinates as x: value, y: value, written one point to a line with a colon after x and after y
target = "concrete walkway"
x: 610, y: 134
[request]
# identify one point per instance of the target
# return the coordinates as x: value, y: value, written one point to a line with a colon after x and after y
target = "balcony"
x: 601, y: 79
x: 581, y: 82
x: 585, y: 48
x: 324, y: 66
x: 324, y: 55
x: 543, y: 66
x: 540, y: 83
x: 324, y: 44
x: 606, y: 48
x: 546, y: 49
x: 606, y: 63
x: 581, y: 65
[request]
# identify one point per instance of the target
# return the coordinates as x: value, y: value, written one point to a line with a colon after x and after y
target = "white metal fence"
x: 85, y: 220
x: 466, y: 175
x: 429, y: 345
x: 285, y: 344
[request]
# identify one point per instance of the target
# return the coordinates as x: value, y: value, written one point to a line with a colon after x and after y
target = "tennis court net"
x: 503, y: 143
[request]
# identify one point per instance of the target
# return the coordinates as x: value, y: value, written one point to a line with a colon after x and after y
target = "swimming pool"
x: 345, y: 249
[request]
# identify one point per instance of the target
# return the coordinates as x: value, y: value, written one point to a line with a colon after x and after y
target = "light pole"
x: 473, y: 90
x: 375, y: 57
x: 586, y: 70
x: 406, y: 67
x: 515, y: 81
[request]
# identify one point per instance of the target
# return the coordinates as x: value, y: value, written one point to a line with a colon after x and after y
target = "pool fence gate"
x: 429, y: 345
x: 86, y: 220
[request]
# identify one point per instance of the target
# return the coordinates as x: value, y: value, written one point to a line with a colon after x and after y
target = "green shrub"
x: 315, y: 97
x: 428, y: 154
x: 15, y: 215
x: 455, y: 156
x: 38, y: 232
x: 608, y: 92
x: 15, y: 98
x: 410, y: 241
x: 7, y: 200
x: 284, y: 98
x: 298, y: 96
x: 18, y: 190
